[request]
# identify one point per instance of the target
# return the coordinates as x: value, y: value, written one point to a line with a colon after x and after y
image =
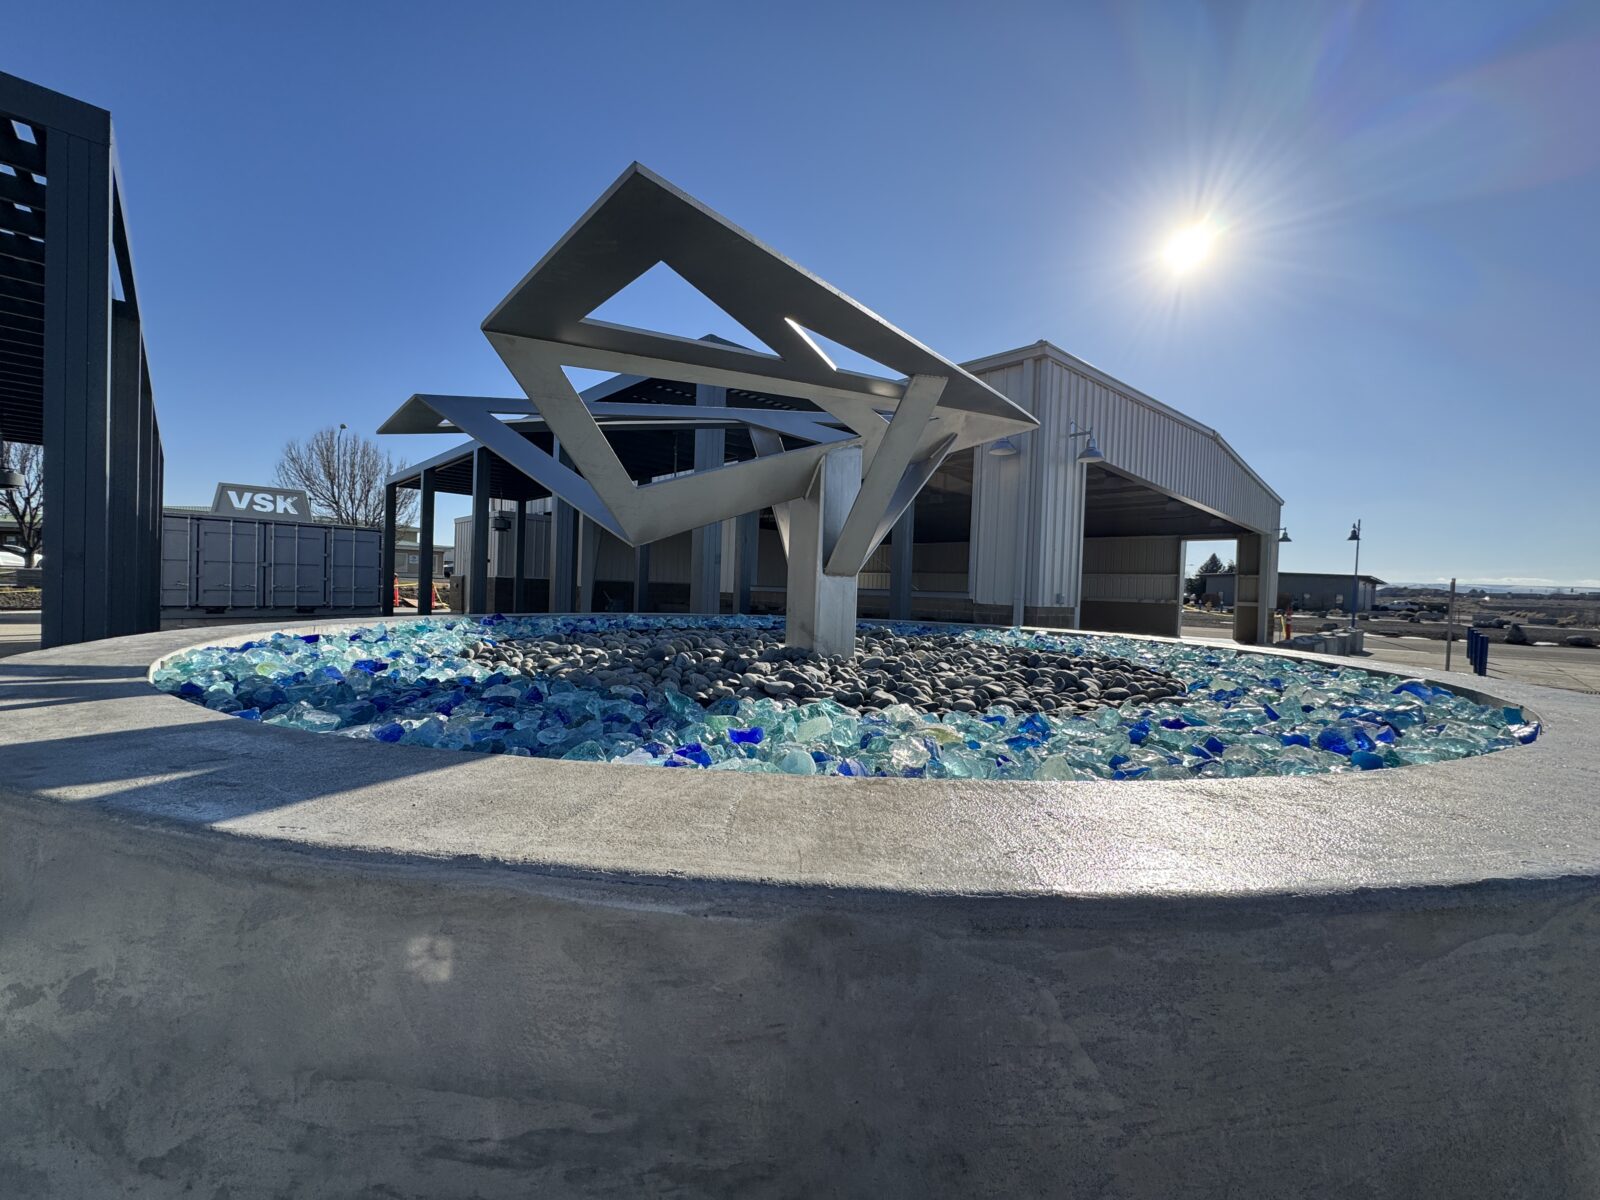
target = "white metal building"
x: 1101, y: 546
x: 1033, y: 536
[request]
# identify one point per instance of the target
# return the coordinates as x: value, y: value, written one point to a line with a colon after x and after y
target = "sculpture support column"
x: 822, y: 608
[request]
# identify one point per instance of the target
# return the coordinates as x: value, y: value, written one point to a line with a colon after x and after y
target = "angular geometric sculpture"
x: 863, y: 459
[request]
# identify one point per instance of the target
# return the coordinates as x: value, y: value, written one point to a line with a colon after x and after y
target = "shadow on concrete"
x: 160, y: 756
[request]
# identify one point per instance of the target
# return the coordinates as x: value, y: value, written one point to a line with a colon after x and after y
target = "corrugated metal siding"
x: 1158, y: 448
x: 772, y: 568
x: 1137, y: 439
x: 353, y: 563
x: 669, y: 559
x: 1146, y: 569
x: 298, y: 571
x: 997, y: 485
x: 936, y: 567
x: 503, y: 550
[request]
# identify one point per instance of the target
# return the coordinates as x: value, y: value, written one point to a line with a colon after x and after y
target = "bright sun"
x: 1188, y: 248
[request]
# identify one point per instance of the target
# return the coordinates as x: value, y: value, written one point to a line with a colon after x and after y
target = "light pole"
x: 1355, y: 572
x: 336, y: 483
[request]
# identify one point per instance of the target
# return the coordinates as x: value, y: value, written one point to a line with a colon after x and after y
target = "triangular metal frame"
x: 905, y: 427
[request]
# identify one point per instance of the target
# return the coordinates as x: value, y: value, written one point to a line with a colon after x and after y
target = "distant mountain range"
x: 1498, y: 588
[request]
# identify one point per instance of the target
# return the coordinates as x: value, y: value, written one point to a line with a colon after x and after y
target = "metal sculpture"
x: 864, y: 456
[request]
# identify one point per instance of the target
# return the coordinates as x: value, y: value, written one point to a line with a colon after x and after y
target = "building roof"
x: 1373, y: 579
x: 1051, y: 350
x: 1282, y: 575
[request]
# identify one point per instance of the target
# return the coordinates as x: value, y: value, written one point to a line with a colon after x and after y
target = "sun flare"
x: 1188, y: 248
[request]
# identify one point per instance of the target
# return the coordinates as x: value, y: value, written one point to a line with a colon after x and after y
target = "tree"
x: 343, y: 473
x: 25, y: 505
x: 1211, y: 566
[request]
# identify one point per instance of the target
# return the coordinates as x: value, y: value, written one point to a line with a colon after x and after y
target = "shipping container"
x: 222, y: 565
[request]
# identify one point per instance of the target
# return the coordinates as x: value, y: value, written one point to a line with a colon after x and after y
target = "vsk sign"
x: 261, y: 503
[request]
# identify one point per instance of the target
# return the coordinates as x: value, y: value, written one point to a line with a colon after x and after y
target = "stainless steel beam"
x: 821, y: 608
x: 899, y: 427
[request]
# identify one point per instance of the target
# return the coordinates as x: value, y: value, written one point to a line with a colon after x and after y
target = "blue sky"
x: 1400, y: 323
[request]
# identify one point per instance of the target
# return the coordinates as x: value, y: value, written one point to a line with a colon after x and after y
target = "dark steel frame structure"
x: 648, y: 449
x: 73, y: 370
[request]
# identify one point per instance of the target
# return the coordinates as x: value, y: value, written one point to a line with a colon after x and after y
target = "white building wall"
x: 997, y: 488
x: 1034, y: 499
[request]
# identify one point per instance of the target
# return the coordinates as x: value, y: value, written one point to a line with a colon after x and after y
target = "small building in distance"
x: 1304, y: 590
x: 408, y: 556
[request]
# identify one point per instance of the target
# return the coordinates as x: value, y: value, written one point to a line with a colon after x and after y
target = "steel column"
x: 563, y: 546
x: 478, y: 569
x: 902, y: 545
x: 122, y: 478
x: 386, y: 553
x: 77, y: 347
x: 519, y: 556
x: 147, y: 578
x: 563, y: 555
x: 158, y: 485
x: 1249, y: 628
x: 588, y: 562
x: 425, y: 485
x: 641, y: 578
x: 705, y: 542
x: 747, y: 551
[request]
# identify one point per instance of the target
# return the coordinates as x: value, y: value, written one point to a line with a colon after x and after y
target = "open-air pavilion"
x: 73, y: 373
x: 1108, y: 534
